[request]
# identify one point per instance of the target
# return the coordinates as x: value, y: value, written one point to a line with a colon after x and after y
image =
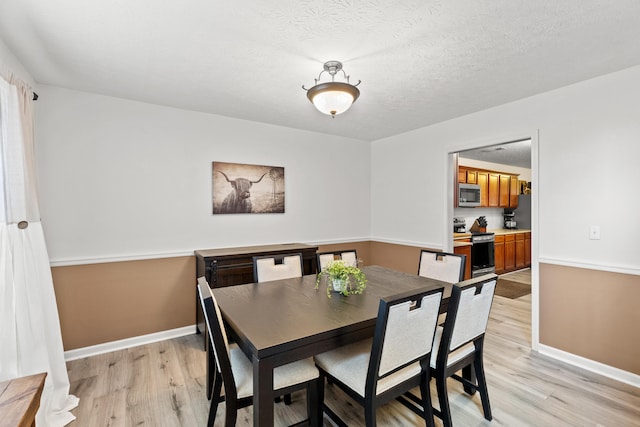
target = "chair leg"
x: 215, y: 399
x: 315, y: 396
x: 482, y: 387
x: 231, y: 413
x: 443, y: 398
x: 426, y: 401
x: 370, y: 412
x: 469, y: 374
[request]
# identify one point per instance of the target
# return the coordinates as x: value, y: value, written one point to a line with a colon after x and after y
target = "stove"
x: 482, y: 254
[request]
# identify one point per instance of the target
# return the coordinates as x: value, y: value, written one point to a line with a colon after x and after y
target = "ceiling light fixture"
x: 333, y: 97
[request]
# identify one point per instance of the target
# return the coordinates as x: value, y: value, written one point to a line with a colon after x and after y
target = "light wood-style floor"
x: 162, y: 384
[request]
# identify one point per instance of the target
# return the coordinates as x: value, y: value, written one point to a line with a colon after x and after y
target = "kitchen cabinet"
x: 505, y: 186
x: 462, y: 176
x: 494, y: 190
x: 472, y: 177
x: 510, y: 252
x: 498, y: 255
x: 514, y: 190
x: 497, y: 189
x: 520, y: 264
x: 464, y: 250
x: 483, y: 182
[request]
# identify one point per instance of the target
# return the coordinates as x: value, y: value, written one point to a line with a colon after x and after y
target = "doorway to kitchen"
x: 505, y: 171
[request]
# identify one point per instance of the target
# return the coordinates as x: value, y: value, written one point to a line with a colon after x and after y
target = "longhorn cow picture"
x: 242, y: 188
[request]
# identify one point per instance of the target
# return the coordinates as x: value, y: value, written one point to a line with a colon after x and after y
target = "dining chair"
x: 276, y: 267
x: 235, y: 371
x: 443, y: 266
x: 460, y: 343
x: 349, y: 256
x: 376, y: 371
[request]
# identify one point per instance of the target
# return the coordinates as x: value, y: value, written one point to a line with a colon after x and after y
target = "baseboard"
x: 128, y: 343
x: 591, y: 365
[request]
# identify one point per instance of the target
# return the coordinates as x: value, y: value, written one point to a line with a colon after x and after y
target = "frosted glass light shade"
x: 333, y: 98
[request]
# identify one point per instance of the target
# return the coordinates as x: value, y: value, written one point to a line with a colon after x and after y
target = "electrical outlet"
x: 594, y: 232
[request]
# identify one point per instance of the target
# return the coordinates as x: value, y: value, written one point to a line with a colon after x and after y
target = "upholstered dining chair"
x: 375, y: 371
x: 443, y: 266
x: 460, y: 343
x: 276, y: 267
x: 348, y: 256
x: 235, y: 370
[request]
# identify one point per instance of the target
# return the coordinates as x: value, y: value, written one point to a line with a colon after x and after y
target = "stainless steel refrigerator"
x: 523, y: 212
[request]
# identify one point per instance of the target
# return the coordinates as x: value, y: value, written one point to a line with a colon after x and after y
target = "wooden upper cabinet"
x: 462, y: 176
x: 483, y: 182
x: 472, y: 177
x: 494, y: 190
x: 513, y: 192
x: 505, y: 186
x: 497, y: 189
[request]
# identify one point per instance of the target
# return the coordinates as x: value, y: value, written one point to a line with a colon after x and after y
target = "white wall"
x: 120, y: 178
x: 9, y: 64
x: 589, y: 146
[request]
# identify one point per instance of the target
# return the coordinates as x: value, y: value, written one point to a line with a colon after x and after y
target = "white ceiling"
x: 512, y: 154
x: 420, y: 61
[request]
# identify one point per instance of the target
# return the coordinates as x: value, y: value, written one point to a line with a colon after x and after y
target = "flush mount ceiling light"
x: 333, y: 97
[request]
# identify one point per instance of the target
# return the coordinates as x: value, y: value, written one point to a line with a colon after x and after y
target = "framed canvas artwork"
x: 242, y: 188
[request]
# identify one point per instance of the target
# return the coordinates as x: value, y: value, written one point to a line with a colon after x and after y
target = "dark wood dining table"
x: 278, y: 322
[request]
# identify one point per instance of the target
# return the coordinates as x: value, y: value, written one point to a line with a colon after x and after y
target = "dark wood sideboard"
x: 234, y: 266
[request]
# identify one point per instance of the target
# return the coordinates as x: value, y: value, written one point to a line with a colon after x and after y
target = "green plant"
x: 353, y: 279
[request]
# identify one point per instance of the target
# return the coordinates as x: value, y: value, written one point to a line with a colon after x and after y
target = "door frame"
x: 451, y: 179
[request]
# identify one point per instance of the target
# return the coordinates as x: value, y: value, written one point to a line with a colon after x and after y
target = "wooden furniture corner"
x: 20, y: 400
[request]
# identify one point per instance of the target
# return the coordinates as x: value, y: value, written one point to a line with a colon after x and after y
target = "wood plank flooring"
x: 162, y: 384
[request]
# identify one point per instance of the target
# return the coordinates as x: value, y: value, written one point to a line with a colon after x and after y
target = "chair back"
x: 217, y: 336
x: 405, y: 329
x: 348, y: 256
x: 442, y: 266
x: 276, y: 267
x: 468, y: 312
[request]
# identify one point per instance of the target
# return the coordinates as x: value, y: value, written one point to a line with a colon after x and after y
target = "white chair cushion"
x: 283, y: 376
x: 473, y: 314
x: 349, y: 258
x: 268, y: 270
x: 350, y: 363
x: 324, y: 260
x: 447, y: 268
x: 454, y: 356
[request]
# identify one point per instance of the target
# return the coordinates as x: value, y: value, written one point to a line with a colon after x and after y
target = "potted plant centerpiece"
x: 343, y: 278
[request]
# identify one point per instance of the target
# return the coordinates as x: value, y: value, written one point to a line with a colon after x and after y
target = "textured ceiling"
x: 420, y: 62
x: 512, y: 154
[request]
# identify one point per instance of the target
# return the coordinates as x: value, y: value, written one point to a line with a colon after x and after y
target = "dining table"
x: 278, y: 322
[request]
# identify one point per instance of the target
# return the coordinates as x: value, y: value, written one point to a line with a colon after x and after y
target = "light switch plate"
x: 594, y: 232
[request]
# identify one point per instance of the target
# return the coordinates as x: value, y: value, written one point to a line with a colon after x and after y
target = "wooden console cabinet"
x: 234, y: 266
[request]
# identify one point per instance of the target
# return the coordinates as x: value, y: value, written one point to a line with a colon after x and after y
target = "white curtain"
x: 30, y: 338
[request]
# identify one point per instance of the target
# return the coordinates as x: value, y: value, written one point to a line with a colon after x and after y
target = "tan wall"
x: 590, y: 313
x: 100, y: 303
x: 397, y: 257
x: 363, y: 249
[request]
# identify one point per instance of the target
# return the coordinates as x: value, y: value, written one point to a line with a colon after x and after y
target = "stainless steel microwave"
x: 468, y: 195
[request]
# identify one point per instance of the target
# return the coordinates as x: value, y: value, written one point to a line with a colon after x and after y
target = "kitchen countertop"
x: 457, y: 244
x: 503, y: 231
x: 496, y: 231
